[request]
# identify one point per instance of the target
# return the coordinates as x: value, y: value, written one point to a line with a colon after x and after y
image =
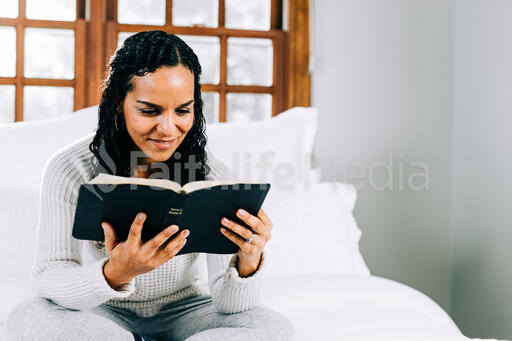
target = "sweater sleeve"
x: 230, y: 292
x: 58, y: 272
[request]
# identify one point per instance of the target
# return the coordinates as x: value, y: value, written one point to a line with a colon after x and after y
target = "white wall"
x: 382, y: 79
x: 482, y: 168
x: 424, y: 81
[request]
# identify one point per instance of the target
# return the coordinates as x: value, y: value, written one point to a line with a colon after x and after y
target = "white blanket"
x: 338, y: 307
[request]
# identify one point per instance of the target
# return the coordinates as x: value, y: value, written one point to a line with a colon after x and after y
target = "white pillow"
x: 314, y: 231
x: 19, y: 208
x: 32, y: 143
x: 285, y: 141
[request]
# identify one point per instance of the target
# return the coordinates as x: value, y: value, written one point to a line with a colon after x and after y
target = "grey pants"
x: 191, y: 319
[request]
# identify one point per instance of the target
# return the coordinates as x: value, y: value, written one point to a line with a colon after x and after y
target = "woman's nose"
x: 166, y: 124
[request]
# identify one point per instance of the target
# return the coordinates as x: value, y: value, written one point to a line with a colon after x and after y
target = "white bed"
x: 344, y: 307
x: 328, y: 294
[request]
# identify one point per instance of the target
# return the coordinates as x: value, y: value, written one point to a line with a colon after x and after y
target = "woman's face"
x: 159, y: 111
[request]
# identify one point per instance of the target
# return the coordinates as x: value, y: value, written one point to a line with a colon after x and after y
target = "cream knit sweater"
x: 70, y: 271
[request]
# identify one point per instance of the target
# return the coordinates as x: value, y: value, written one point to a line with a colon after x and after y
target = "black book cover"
x: 197, y: 206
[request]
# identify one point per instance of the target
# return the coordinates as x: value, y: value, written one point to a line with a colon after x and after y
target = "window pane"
x: 207, y: 50
x: 7, y: 100
x: 41, y: 102
x: 147, y: 12
x: 121, y: 37
x: 8, y: 55
x: 51, y: 9
x: 210, y: 106
x: 201, y: 13
x: 248, y: 107
x: 8, y: 8
x: 248, y: 15
x: 250, y: 61
x: 49, y: 53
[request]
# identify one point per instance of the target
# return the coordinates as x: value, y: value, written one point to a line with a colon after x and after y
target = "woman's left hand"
x: 249, y: 255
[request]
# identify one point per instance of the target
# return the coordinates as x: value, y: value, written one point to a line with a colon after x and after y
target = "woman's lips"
x: 163, y: 144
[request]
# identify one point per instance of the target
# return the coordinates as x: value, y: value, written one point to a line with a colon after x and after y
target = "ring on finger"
x: 250, y: 239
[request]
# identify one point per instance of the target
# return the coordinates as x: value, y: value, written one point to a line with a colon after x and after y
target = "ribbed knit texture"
x: 70, y: 271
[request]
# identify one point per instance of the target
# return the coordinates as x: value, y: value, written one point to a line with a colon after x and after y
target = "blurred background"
x: 414, y: 101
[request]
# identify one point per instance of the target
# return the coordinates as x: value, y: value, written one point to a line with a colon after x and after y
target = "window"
x: 238, y: 42
x: 41, y: 73
x: 55, y: 52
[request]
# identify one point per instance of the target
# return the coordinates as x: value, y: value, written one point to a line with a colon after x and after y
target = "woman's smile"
x: 163, y: 144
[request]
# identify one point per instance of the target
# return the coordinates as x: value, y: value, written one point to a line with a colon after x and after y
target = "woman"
x: 150, y: 111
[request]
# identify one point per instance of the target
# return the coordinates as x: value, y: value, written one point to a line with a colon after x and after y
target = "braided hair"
x: 143, y: 53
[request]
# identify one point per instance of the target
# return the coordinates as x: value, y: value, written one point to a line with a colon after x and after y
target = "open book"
x: 197, y: 206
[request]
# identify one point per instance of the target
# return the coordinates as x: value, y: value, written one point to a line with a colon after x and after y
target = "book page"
x: 197, y: 185
x: 108, y: 179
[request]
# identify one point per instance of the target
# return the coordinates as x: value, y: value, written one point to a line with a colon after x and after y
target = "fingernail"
x: 225, y: 220
x: 186, y: 233
x: 140, y: 216
x: 102, y: 225
x: 241, y: 212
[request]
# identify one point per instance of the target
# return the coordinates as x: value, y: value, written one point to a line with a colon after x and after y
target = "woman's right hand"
x: 133, y: 257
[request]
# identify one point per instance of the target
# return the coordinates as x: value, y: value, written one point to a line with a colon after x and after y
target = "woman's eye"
x: 148, y: 112
x: 156, y: 112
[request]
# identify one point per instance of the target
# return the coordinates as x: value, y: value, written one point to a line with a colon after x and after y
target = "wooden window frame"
x: 20, y: 81
x: 298, y: 79
x: 96, y: 40
x: 275, y: 33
